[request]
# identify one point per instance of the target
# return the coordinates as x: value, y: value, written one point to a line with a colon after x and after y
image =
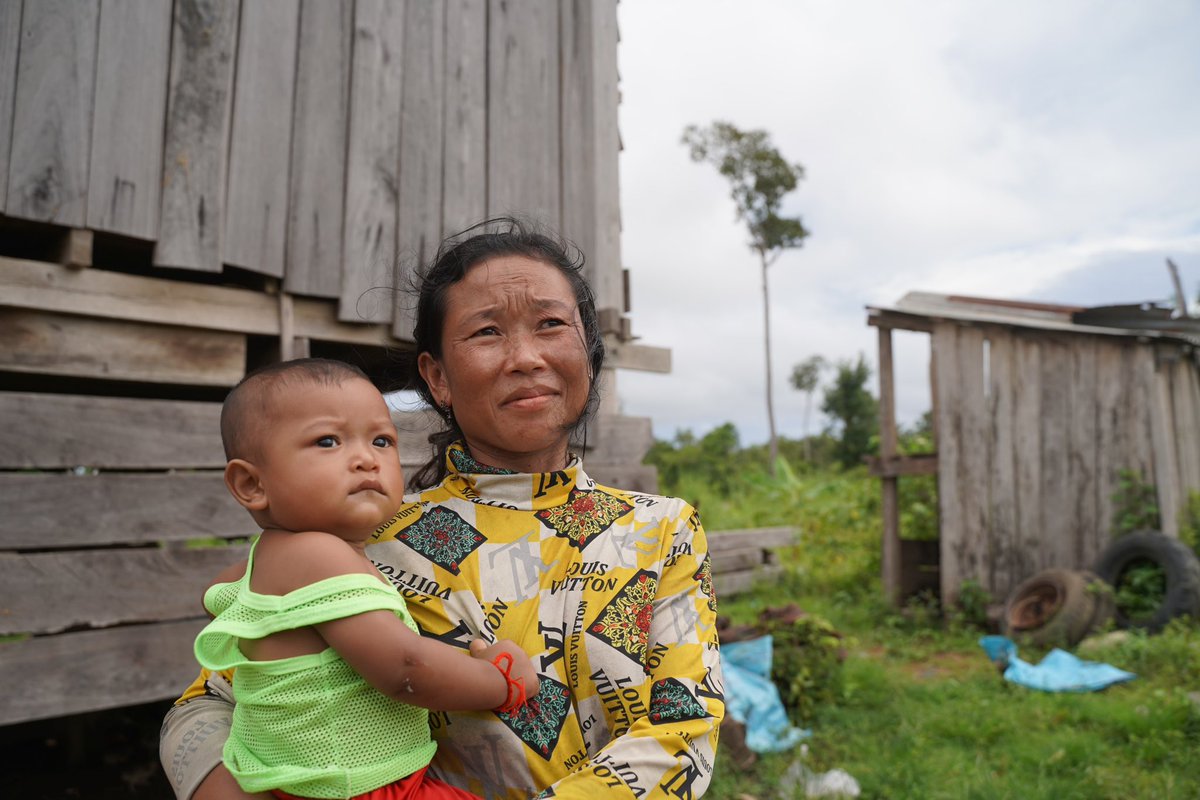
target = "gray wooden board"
x: 974, y: 546
x: 316, y: 203
x: 50, y: 676
x: 256, y: 194
x: 1112, y: 431
x: 10, y: 39
x: 94, y: 589
x: 768, y: 538
x: 523, y: 111
x: 1183, y: 419
x: 58, y: 344
x: 52, y: 115
x: 112, y: 295
x: 591, y: 143
x: 737, y: 582
x: 419, y: 205
x: 51, y: 431
x: 737, y: 560
x: 1139, y: 374
x: 132, y: 63
x: 613, y: 439
x: 116, y: 508
x: 372, y: 161
x: 1007, y: 560
x: 464, y: 165
x: 1190, y: 446
x: 199, y: 96
x: 1027, y: 450
x: 1057, y: 505
x: 944, y: 343
x: 1081, y: 464
x: 1166, y: 464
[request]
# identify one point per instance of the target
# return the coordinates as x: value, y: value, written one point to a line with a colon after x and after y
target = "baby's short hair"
x: 250, y: 399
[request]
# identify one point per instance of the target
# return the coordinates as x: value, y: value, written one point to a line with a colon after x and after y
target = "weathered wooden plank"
x: 1086, y: 535
x: 948, y: 405
x: 464, y: 166
x: 900, y: 465
x: 766, y: 538
x: 1006, y: 566
x: 132, y: 62
x: 1184, y: 425
x: 57, y: 344
x: 591, y: 143
x: 890, y: 567
x: 419, y: 206
x: 316, y: 202
x: 199, y: 98
x: 51, y: 431
x: 124, y: 666
x: 1166, y: 463
x: 629, y: 355
x: 372, y: 162
x: 1138, y: 369
x: 259, y: 154
x: 116, y: 508
x: 112, y: 295
x: 523, y: 109
x: 1057, y: 505
x: 1112, y: 425
x: 613, y: 439
x: 10, y: 42
x: 737, y: 582
x: 92, y: 588
x: 52, y: 115
x: 974, y: 549
x: 1191, y: 445
x: 744, y: 558
x: 1027, y: 450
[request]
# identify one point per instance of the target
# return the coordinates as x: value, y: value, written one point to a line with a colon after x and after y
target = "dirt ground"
x: 104, y: 755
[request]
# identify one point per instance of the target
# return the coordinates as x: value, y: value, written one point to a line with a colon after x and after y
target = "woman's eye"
x: 327, y: 441
x: 383, y: 441
x: 553, y: 323
x: 488, y: 331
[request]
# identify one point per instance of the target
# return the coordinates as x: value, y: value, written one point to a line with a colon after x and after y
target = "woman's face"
x: 514, y: 367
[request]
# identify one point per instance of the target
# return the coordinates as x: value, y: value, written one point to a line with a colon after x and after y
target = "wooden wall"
x: 1033, y: 429
x: 326, y: 143
x: 275, y: 161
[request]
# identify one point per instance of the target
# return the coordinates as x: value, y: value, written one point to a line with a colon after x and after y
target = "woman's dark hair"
x: 501, y: 236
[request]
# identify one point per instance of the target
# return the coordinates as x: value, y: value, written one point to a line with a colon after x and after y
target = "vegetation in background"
x: 1135, y: 504
x: 805, y: 377
x: 759, y: 178
x: 916, y: 709
x: 853, y: 411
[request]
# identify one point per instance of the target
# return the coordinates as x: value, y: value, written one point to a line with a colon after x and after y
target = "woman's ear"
x: 435, y: 378
x: 242, y: 480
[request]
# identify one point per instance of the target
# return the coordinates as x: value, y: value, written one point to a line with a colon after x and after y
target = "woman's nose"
x: 525, y: 352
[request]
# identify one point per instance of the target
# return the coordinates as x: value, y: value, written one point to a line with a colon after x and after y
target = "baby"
x: 333, y: 681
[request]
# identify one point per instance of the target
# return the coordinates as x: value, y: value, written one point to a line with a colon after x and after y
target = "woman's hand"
x: 522, y: 669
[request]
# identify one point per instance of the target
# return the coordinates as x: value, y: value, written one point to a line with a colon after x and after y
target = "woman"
x: 609, y: 592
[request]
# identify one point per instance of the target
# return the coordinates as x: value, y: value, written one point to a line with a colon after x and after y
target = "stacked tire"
x: 1059, y: 607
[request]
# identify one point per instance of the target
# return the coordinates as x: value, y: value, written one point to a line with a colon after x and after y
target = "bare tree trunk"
x: 773, y: 449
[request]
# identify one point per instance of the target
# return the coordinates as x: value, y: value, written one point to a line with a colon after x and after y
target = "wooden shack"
x: 1038, y: 409
x: 191, y: 189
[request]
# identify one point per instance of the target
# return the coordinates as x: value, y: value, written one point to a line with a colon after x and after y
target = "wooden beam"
x: 113, y: 295
x: 784, y: 536
x: 51, y: 676
x: 10, y: 41
x: 644, y: 358
x: 881, y: 318
x: 888, y: 439
x: 47, y: 343
x: 898, y: 466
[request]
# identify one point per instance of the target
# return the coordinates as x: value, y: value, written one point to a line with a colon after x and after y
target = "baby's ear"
x: 243, y: 482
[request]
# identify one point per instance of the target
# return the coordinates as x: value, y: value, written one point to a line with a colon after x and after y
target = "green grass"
x: 921, y: 712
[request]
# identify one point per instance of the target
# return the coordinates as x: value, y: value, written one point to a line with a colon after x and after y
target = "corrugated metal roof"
x: 1144, y: 319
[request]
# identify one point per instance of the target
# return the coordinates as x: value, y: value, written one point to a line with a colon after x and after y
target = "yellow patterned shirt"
x: 609, y: 592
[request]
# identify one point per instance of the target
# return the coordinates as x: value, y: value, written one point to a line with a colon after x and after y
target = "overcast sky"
x: 1017, y: 149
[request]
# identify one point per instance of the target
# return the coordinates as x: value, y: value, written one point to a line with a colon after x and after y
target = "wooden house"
x: 192, y: 188
x: 1038, y: 410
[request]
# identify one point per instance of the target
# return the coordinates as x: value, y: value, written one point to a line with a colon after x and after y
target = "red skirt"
x: 417, y: 786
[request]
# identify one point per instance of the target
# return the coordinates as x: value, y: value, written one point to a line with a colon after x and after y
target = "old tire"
x: 1054, y: 607
x: 1180, y: 568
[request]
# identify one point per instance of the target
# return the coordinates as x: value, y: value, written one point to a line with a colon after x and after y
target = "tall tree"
x: 759, y: 178
x: 853, y: 410
x: 805, y: 377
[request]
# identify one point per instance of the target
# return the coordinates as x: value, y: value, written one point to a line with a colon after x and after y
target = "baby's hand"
x: 522, y: 667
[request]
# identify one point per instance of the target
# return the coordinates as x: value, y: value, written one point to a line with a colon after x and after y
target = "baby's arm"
x: 389, y: 655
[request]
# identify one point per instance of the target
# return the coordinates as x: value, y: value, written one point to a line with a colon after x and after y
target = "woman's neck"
x: 551, y: 460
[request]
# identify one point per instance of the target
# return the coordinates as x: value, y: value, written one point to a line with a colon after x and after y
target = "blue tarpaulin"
x: 1059, y: 671
x: 753, y: 700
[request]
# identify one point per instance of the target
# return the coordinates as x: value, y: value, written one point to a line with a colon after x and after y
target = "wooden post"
x: 887, y: 448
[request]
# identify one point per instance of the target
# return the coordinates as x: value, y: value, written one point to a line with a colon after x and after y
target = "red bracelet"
x: 516, y: 688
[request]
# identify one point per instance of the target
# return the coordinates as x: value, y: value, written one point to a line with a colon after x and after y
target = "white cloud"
x: 984, y: 148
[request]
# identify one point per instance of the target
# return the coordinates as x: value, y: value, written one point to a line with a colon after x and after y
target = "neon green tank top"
x: 310, y: 725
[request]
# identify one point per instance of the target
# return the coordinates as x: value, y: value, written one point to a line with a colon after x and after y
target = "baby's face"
x: 329, y: 462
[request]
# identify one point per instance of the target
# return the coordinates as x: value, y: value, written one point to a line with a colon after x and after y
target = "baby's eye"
x: 383, y: 441
x: 327, y: 441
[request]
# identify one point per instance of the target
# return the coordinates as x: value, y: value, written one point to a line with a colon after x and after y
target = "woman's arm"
x: 669, y: 751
